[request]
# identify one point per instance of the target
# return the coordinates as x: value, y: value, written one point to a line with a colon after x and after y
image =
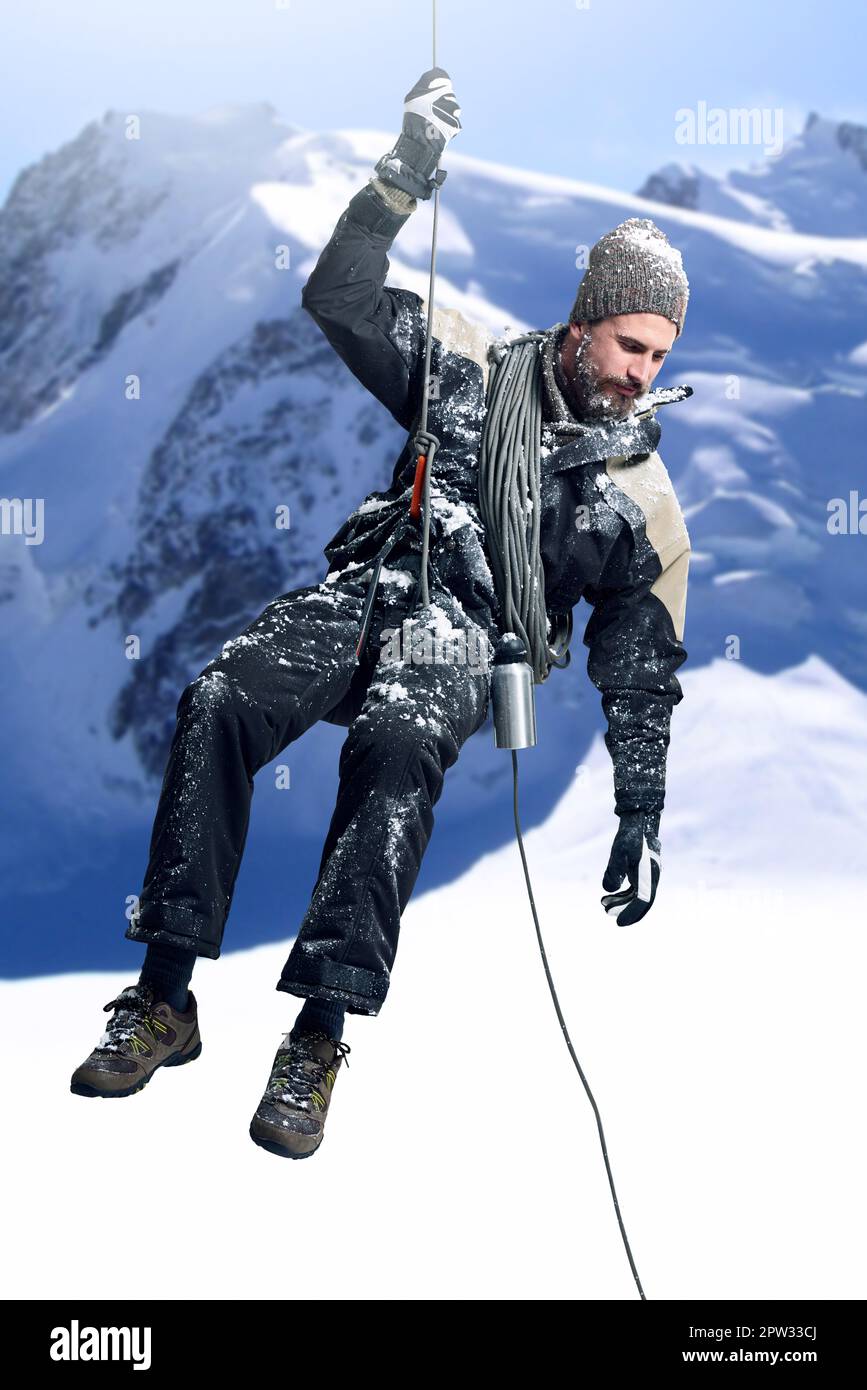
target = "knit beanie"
x: 633, y: 269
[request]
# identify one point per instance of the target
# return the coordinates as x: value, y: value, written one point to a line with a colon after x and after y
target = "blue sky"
x: 587, y: 90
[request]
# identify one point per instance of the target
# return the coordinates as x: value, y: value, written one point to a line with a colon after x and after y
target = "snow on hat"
x: 633, y: 269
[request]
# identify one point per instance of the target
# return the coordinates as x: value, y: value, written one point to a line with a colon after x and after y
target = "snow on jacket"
x: 612, y: 531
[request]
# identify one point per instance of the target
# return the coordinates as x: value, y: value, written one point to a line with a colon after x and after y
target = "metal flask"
x: 513, y: 695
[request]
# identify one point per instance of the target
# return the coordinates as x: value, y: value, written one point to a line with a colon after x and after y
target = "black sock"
x: 327, y: 1014
x: 168, y: 970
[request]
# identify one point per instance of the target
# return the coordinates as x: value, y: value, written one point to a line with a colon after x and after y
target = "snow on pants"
x: 420, y: 690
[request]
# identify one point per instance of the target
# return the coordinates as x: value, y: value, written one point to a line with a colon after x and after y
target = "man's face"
x: 612, y: 364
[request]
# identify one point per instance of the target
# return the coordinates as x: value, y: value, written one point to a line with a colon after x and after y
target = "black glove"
x: 636, y: 852
x: 430, y: 120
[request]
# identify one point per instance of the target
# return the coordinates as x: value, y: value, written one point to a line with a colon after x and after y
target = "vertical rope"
x: 425, y: 543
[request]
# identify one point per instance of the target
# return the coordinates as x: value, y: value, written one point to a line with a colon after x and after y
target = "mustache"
x: 586, y: 374
x: 621, y: 381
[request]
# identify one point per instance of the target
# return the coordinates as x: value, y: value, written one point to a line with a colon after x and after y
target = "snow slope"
x: 722, y: 1039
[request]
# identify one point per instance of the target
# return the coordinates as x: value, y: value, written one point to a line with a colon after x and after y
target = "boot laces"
x: 133, y: 1008
x: 298, y: 1073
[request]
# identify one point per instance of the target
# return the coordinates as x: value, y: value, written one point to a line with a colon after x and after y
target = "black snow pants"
x: 419, y: 690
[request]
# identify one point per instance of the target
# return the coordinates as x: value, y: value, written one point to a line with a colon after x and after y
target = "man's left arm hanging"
x: 635, y: 646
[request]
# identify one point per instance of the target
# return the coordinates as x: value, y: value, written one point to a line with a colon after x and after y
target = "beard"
x: 592, y: 401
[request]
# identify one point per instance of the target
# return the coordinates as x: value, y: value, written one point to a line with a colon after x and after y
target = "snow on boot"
x: 290, y: 1119
x: 144, y: 1033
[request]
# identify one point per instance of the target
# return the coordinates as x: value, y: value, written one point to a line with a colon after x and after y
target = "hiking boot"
x: 290, y: 1120
x: 144, y: 1033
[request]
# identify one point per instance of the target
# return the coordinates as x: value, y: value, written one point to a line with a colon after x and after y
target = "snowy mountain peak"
x: 821, y: 134
x: 817, y: 183
x: 93, y: 234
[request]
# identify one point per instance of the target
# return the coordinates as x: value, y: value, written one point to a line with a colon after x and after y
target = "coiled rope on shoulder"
x: 510, y: 495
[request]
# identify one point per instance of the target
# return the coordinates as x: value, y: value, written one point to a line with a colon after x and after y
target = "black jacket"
x: 612, y: 530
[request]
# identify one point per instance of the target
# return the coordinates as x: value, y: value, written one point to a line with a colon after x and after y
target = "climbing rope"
x: 509, y: 488
x: 562, y: 1021
x: 425, y: 442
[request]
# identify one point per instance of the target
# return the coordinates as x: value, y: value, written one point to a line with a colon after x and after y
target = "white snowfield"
x: 722, y: 1038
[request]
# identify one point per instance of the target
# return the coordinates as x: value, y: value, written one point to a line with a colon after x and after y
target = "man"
x: 611, y: 531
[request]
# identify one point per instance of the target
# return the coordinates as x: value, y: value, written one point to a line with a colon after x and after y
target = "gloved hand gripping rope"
x: 431, y: 117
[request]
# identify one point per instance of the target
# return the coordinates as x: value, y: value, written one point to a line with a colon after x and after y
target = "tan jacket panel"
x: 649, y: 486
x: 459, y: 334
